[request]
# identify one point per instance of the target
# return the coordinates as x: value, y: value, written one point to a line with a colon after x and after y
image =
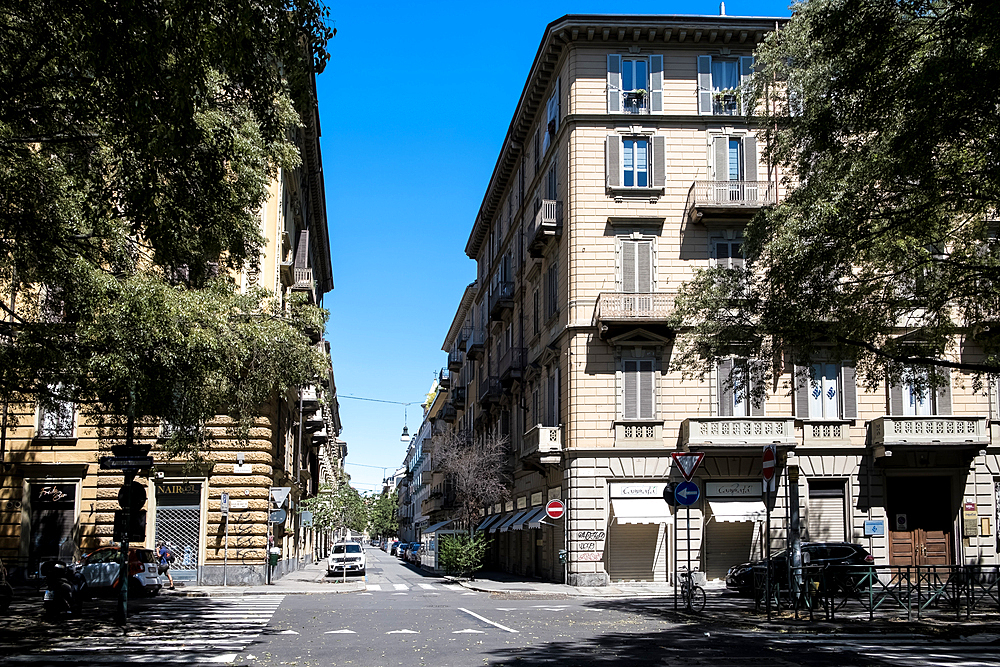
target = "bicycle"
x: 692, y: 594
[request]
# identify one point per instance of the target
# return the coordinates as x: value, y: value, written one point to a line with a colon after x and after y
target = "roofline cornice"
x: 459, y: 320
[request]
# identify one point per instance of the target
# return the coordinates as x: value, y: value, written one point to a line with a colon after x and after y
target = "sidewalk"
x: 510, y: 584
x: 308, y: 580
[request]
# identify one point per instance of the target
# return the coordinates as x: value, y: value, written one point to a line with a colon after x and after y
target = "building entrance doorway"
x: 178, y: 524
x: 920, y: 520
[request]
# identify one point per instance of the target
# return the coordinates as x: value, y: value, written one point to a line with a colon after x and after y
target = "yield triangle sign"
x: 688, y: 462
x: 279, y: 493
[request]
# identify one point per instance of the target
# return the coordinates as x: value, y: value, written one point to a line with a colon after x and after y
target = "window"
x: 536, y: 311
x: 550, y: 182
x: 635, y: 266
x: 734, y: 171
x: 551, y: 118
x: 638, y: 389
x: 552, y: 397
x: 826, y: 391
x: 635, y: 162
x: 728, y: 253
x: 721, y: 85
x: 552, y: 290
x: 57, y: 419
x: 917, y: 399
x: 734, y: 390
x: 635, y: 84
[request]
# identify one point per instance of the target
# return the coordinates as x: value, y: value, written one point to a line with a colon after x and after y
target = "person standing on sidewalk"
x: 165, y: 559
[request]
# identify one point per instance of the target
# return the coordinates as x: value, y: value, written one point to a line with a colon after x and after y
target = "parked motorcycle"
x: 65, y: 588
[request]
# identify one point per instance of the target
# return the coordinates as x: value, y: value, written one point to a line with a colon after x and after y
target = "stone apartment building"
x: 55, y: 502
x: 628, y: 164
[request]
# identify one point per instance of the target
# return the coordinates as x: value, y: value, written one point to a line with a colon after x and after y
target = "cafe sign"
x: 734, y: 490
x: 637, y: 490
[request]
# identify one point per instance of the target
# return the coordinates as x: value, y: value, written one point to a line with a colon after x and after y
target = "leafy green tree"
x: 137, y: 142
x: 462, y: 555
x: 383, y: 521
x: 881, y: 118
x: 339, y: 508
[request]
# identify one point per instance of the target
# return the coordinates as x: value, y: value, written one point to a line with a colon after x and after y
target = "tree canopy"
x: 382, y: 514
x: 881, y: 119
x: 137, y: 143
x: 337, y: 508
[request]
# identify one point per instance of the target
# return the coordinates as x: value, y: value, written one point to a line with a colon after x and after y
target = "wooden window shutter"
x: 612, y: 163
x: 720, y: 158
x: 802, y: 382
x: 659, y: 162
x: 750, y: 158
x: 628, y: 251
x: 848, y: 390
x: 630, y: 380
x: 705, y: 85
x: 725, y: 390
x: 302, y: 250
x: 896, y: 400
x: 757, y: 408
x: 943, y: 398
x: 614, y: 83
x: 647, y: 379
x: 656, y: 84
x: 644, y: 267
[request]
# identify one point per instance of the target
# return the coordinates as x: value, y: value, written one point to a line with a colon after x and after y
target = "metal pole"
x: 792, y: 488
x: 566, y: 540
x: 267, y: 545
x: 676, y: 512
x: 121, y: 612
x: 767, y: 546
x: 225, y: 553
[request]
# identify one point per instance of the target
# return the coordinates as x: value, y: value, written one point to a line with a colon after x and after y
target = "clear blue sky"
x: 406, y: 165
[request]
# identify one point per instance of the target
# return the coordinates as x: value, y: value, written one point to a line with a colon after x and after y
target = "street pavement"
x: 400, y: 615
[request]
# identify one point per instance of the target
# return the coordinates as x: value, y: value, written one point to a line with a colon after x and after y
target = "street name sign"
x: 688, y: 462
x: 554, y: 509
x: 687, y: 493
x: 125, y: 462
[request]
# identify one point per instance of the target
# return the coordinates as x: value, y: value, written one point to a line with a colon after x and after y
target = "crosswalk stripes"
x: 188, y: 630
x: 404, y: 587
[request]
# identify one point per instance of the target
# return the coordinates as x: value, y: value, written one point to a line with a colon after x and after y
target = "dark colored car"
x: 814, y: 554
x: 394, y: 548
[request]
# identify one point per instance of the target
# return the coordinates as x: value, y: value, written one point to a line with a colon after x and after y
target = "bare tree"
x: 477, y: 468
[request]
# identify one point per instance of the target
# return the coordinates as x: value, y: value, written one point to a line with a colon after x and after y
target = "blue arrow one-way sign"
x: 687, y: 493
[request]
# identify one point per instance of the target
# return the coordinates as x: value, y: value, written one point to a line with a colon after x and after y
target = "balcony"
x: 444, y: 379
x: 921, y: 432
x: 475, y: 345
x: 547, y: 225
x: 512, y: 365
x: 736, y: 432
x: 543, y: 443
x: 458, y: 397
x: 455, y: 360
x: 826, y: 433
x: 310, y: 397
x: 633, y: 102
x: 619, y: 312
x: 728, y: 200
x: 448, y: 413
x: 304, y: 282
x: 490, y: 390
x: 426, y: 476
x: 501, y: 299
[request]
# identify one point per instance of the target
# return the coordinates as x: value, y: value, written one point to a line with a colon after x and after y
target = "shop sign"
x: 970, y: 520
x: 636, y: 490
x: 734, y: 490
x: 178, y: 493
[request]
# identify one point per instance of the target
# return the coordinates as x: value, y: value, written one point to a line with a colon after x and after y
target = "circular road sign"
x: 554, y: 509
x: 767, y: 466
x: 687, y: 493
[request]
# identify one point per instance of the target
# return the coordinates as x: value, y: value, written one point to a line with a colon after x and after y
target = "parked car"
x: 101, y: 568
x: 830, y: 555
x: 402, y: 549
x: 413, y: 555
x: 6, y: 590
x: 347, y: 557
x: 394, y: 548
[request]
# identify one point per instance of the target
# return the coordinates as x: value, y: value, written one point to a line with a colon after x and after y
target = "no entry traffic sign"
x: 767, y: 465
x: 554, y: 509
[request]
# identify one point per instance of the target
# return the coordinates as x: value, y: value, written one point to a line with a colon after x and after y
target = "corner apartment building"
x: 55, y: 502
x: 629, y: 163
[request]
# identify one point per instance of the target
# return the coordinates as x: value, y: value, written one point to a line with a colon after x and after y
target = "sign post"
x: 767, y: 472
x: 224, y: 506
x: 686, y: 493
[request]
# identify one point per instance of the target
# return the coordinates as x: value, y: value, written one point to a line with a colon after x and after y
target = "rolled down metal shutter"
x: 631, y: 551
x: 727, y: 544
x: 826, y: 511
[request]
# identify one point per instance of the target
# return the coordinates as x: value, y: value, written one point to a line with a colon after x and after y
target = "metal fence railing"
x: 916, y: 592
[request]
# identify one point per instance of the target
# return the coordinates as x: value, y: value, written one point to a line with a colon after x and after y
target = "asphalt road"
x: 411, y: 618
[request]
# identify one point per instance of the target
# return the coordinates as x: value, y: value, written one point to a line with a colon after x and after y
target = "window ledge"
x: 621, y: 194
x: 52, y: 440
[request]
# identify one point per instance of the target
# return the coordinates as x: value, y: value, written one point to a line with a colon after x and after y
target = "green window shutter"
x: 614, y: 83
x: 705, y: 85
x: 659, y: 162
x: 656, y: 84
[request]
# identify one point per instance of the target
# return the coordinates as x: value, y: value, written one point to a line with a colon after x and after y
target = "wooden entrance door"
x: 925, y: 503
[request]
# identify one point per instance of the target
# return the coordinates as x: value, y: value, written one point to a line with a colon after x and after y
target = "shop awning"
x: 495, y: 526
x: 488, y: 521
x: 734, y: 511
x: 436, y: 527
x: 640, y: 510
x: 512, y: 520
x: 529, y: 517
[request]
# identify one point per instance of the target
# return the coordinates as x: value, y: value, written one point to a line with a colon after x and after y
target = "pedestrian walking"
x: 166, y: 558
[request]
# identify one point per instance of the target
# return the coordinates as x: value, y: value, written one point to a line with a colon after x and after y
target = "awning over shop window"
x: 436, y: 527
x: 733, y: 511
x: 640, y: 510
x: 504, y: 518
x: 512, y: 520
x: 530, y: 516
x: 488, y: 521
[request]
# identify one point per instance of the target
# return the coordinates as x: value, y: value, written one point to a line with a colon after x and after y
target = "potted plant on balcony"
x: 635, y: 97
x: 726, y: 98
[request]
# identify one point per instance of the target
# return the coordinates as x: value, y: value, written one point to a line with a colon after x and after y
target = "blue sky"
x: 407, y: 162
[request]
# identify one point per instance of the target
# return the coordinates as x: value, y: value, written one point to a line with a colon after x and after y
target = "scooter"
x: 65, y: 588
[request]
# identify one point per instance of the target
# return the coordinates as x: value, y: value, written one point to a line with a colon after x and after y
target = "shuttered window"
x: 552, y: 290
x: 722, y: 85
x: 735, y: 383
x: 728, y: 254
x: 908, y: 401
x: 826, y: 391
x: 628, y: 76
x: 552, y: 398
x: 635, y: 162
x: 638, y: 389
x: 636, y: 266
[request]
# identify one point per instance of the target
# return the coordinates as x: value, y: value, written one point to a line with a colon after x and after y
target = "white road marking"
x: 288, y: 632
x: 427, y: 587
x: 401, y: 587
x: 403, y: 632
x: 468, y: 631
x: 373, y: 587
x: 468, y: 593
x: 372, y: 594
x: 345, y: 631
x: 486, y: 620
x: 506, y: 608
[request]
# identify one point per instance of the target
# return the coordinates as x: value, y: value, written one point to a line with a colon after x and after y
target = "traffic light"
x: 136, y: 525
